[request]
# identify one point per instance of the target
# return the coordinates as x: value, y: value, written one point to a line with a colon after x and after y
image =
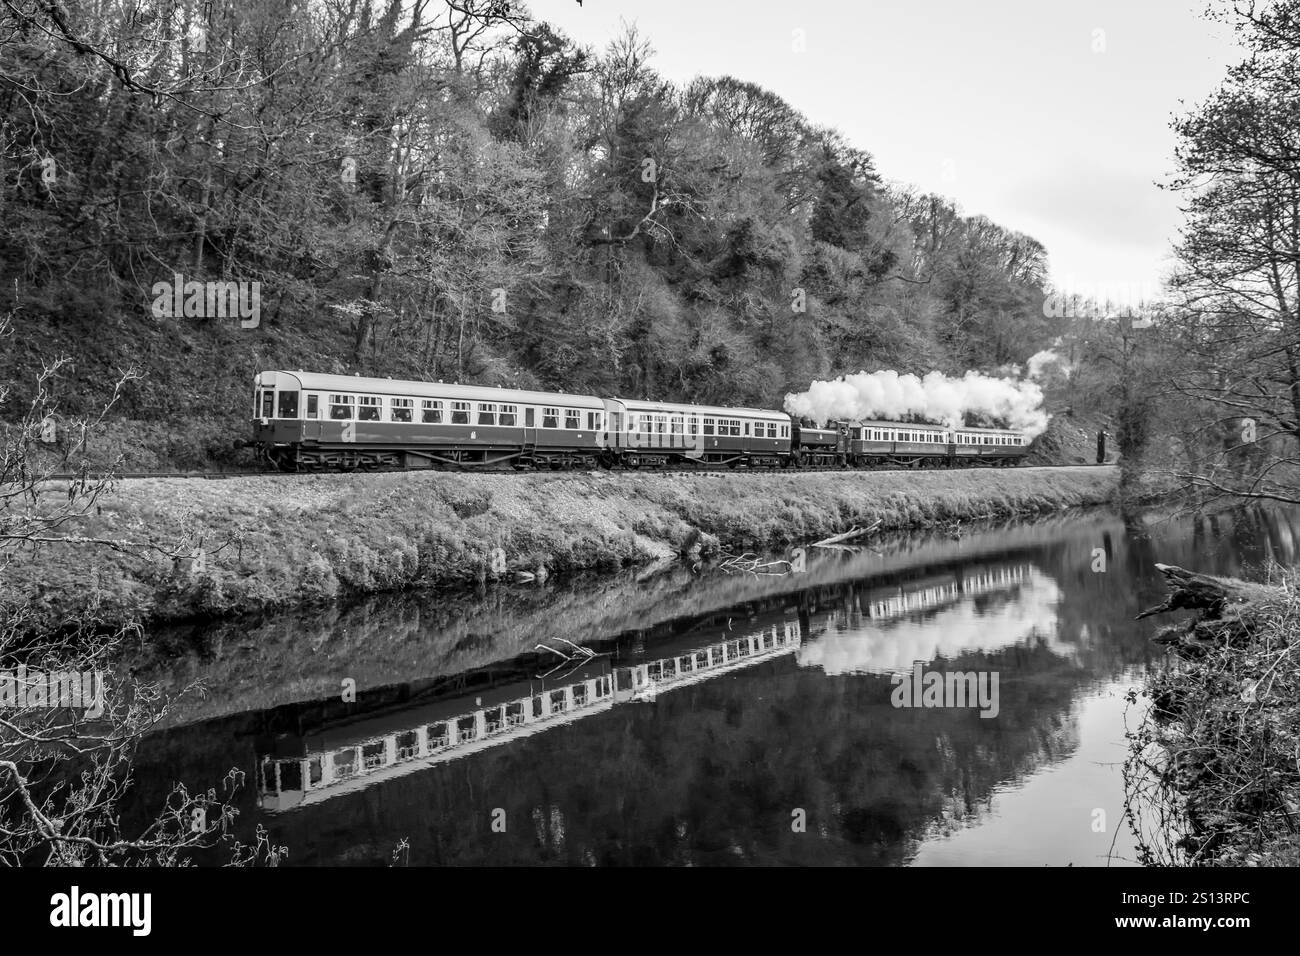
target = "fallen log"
x: 1221, y: 603
x: 854, y: 532
x: 1202, y: 592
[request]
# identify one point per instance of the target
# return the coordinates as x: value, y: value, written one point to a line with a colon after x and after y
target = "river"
x: 663, y: 717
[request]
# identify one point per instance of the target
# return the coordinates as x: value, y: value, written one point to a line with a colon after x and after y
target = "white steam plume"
x: 1039, y: 361
x: 935, y: 398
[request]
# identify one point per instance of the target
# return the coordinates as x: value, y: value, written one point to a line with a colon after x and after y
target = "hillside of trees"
x: 450, y: 189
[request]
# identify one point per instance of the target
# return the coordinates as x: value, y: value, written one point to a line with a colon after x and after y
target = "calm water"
x: 671, y: 719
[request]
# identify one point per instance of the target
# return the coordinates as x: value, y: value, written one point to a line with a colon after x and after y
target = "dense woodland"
x: 449, y: 189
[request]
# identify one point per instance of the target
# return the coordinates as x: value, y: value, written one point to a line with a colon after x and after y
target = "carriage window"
x: 432, y: 412
x: 708, y: 426
x: 676, y: 425
x: 647, y: 424
x: 288, y: 405
x: 591, y: 421
x: 268, y: 406
x: 771, y: 429
x: 529, y: 420
x: 369, y: 408
x: 460, y: 413
x: 401, y: 409
x: 341, y: 407
x: 509, y: 415
x: 572, y: 418
x: 313, y: 407
x: 661, y: 423
x: 746, y: 429
x: 550, y: 418
x: 735, y: 426
x: 487, y: 413
x: 785, y: 431
x: 693, y: 425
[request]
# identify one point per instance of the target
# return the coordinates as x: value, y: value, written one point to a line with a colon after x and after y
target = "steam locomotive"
x: 308, y: 421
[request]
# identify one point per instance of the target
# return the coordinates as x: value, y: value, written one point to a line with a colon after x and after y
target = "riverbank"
x: 1216, y: 761
x: 264, y: 543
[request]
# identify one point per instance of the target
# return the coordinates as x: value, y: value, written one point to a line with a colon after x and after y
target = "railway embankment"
x: 171, y: 549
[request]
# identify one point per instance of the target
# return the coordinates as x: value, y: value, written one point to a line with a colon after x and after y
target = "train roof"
x: 878, y: 422
x: 637, y: 404
x: 314, y: 381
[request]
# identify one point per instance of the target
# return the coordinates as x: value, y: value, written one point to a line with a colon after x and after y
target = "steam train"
x: 309, y: 421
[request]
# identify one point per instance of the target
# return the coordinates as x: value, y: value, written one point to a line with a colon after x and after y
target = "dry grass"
x: 275, y: 542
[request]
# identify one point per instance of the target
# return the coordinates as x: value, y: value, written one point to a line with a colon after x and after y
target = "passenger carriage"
x: 987, y: 446
x: 337, y: 421
x: 903, y: 443
x: 654, y: 434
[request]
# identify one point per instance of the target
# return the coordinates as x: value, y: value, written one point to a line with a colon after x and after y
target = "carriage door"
x: 530, y: 427
x: 311, y: 423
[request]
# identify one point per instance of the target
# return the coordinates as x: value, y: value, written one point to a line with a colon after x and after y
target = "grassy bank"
x: 1217, y: 761
x: 278, y: 542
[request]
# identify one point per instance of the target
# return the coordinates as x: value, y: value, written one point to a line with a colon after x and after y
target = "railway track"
x: 267, y: 472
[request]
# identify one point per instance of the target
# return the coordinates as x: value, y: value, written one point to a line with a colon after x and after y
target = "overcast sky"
x: 1049, y: 116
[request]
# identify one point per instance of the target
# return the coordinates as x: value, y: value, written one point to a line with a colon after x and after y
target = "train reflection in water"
x: 447, y: 730
x: 348, y: 755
